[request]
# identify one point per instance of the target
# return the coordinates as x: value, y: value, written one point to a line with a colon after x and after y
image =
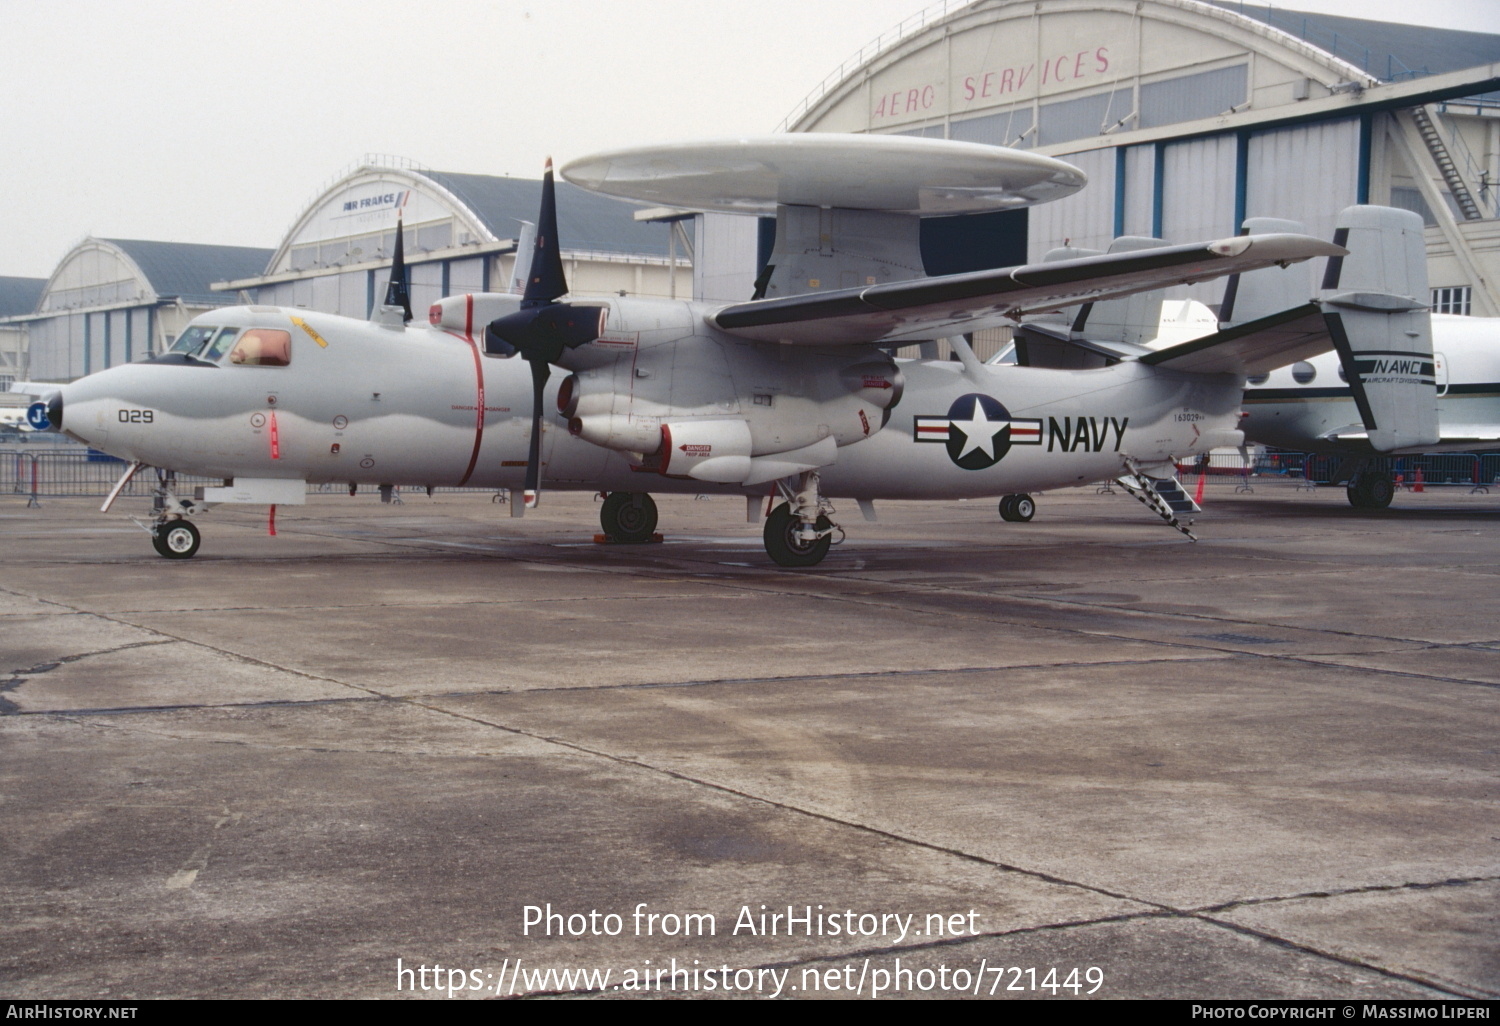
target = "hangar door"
x: 1198, y: 197
x: 1305, y: 174
x: 1085, y: 219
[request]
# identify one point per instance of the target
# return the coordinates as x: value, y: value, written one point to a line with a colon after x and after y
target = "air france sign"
x: 392, y: 200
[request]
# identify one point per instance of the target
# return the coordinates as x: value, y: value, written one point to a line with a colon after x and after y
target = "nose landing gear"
x: 173, y: 536
x: 176, y: 539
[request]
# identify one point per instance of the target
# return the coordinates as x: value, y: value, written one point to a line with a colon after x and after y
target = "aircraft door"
x: 1440, y: 372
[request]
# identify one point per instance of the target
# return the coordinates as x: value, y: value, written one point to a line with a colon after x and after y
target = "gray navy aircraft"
x: 791, y: 395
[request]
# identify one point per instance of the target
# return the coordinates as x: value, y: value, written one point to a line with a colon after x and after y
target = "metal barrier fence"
x: 59, y: 473
x: 1468, y: 469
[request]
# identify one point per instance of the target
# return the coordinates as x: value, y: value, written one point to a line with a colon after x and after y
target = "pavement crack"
x: 1421, y: 885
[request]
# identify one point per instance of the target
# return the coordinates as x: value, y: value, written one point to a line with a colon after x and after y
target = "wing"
x: 1255, y: 347
x: 937, y: 307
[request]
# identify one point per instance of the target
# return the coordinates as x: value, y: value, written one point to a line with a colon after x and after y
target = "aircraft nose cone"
x: 55, y: 411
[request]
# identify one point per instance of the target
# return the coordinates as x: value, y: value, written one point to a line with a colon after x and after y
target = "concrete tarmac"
x: 1076, y: 757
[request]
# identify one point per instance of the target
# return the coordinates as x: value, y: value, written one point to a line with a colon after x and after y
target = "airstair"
x: 1163, y: 496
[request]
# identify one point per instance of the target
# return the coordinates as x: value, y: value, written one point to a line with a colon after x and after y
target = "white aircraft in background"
x: 1432, y: 385
x: 789, y: 394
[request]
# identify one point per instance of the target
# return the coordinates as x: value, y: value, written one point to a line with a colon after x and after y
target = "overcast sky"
x: 194, y: 121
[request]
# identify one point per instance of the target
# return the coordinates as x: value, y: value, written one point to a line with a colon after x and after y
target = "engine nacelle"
x: 707, y: 450
x: 619, y: 432
x: 729, y: 413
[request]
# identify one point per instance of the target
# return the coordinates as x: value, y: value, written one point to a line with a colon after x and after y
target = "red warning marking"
x: 275, y: 438
x: 271, y: 525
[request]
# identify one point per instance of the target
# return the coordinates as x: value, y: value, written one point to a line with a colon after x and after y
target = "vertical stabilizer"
x: 1135, y: 319
x: 520, y: 273
x: 1249, y: 297
x: 1375, y: 301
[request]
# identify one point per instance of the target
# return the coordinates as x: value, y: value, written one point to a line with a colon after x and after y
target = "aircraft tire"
x: 629, y: 518
x: 1373, y: 490
x: 1379, y: 490
x: 176, y: 539
x: 783, y: 545
x: 1017, y: 509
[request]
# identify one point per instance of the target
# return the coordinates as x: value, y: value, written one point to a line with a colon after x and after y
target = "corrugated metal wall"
x: 1306, y: 174
x: 1086, y: 218
x: 1140, y: 191
x: 1198, y: 200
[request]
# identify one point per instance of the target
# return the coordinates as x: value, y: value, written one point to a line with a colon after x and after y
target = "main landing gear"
x: 628, y: 517
x: 798, y: 532
x: 1017, y: 509
x: 1371, y: 489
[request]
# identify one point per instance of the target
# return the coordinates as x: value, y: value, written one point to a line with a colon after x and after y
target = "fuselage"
x: 355, y: 402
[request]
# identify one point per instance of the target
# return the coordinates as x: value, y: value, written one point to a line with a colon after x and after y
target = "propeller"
x: 543, y: 329
x: 396, y: 292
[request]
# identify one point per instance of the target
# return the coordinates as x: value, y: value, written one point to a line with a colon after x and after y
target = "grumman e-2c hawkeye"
x: 792, y: 393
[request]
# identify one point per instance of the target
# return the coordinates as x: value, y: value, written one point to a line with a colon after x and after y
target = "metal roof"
x: 19, y: 296
x: 1386, y: 50
x: 585, y: 220
x: 184, y: 270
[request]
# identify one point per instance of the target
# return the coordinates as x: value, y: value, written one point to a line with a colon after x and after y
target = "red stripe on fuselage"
x: 468, y: 336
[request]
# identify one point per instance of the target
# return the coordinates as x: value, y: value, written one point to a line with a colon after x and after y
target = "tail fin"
x: 1375, y: 301
x: 1257, y: 294
x: 1135, y: 319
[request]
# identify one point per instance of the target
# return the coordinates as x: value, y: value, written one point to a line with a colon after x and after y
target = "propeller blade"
x: 397, y: 293
x: 547, y: 280
x: 540, y: 373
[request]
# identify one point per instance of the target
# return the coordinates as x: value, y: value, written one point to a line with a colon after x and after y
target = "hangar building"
x: 18, y: 296
x: 461, y: 232
x: 114, y: 300
x: 1190, y: 116
x: 111, y: 301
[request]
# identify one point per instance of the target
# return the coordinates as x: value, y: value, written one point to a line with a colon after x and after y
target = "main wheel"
x: 176, y: 539
x: 1379, y: 491
x: 629, y: 517
x: 1371, y: 490
x: 783, y: 545
x: 1017, y: 509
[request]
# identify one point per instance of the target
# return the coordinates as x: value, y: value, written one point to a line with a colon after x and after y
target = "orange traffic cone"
x: 1418, y: 486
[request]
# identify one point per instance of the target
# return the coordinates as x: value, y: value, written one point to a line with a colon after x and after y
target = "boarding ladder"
x: 1163, y: 496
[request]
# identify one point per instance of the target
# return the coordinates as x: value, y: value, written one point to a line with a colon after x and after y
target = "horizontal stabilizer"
x: 1256, y: 347
x: 957, y: 303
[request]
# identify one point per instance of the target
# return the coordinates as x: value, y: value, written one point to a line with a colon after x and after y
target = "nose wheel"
x: 176, y: 539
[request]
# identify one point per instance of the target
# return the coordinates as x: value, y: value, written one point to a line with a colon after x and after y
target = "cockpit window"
x: 219, y: 346
x: 263, y: 347
x: 191, y: 340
